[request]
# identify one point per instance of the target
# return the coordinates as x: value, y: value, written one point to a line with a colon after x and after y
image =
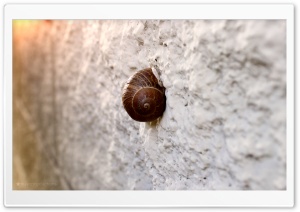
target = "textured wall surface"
x: 224, y: 126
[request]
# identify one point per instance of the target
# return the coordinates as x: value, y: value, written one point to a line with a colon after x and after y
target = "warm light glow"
x: 25, y: 22
x: 27, y: 28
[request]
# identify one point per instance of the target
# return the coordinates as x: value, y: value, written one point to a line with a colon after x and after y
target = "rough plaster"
x: 224, y: 126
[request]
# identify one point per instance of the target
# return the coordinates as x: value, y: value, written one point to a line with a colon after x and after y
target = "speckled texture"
x: 224, y: 126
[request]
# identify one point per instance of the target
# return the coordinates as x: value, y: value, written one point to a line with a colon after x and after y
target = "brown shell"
x: 143, y: 98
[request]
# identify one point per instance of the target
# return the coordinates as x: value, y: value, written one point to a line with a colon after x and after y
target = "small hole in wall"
x: 246, y: 186
x: 218, y: 70
x: 112, y: 68
x: 133, y: 68
x: 186, y: 104
x: 250, y: 156
x: 184, y: 44
x: 204, y: 178
x: 140, y: 41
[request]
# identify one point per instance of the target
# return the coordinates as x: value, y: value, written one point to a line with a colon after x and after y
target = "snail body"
x: 143, y: 98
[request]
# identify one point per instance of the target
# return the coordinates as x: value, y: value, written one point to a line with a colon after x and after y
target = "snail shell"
x: 143, y: 98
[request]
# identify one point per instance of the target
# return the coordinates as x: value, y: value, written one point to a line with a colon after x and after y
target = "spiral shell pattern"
x: 143, y: 98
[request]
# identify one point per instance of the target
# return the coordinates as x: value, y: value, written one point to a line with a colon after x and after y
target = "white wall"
x: 224, y: 126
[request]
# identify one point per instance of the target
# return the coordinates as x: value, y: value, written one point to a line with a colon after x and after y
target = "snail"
x: 143, y: 98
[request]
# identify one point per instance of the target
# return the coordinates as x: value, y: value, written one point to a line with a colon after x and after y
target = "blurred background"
x: 32, y: 167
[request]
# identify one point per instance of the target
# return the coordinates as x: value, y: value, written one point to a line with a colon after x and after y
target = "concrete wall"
x: 224, y: 126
